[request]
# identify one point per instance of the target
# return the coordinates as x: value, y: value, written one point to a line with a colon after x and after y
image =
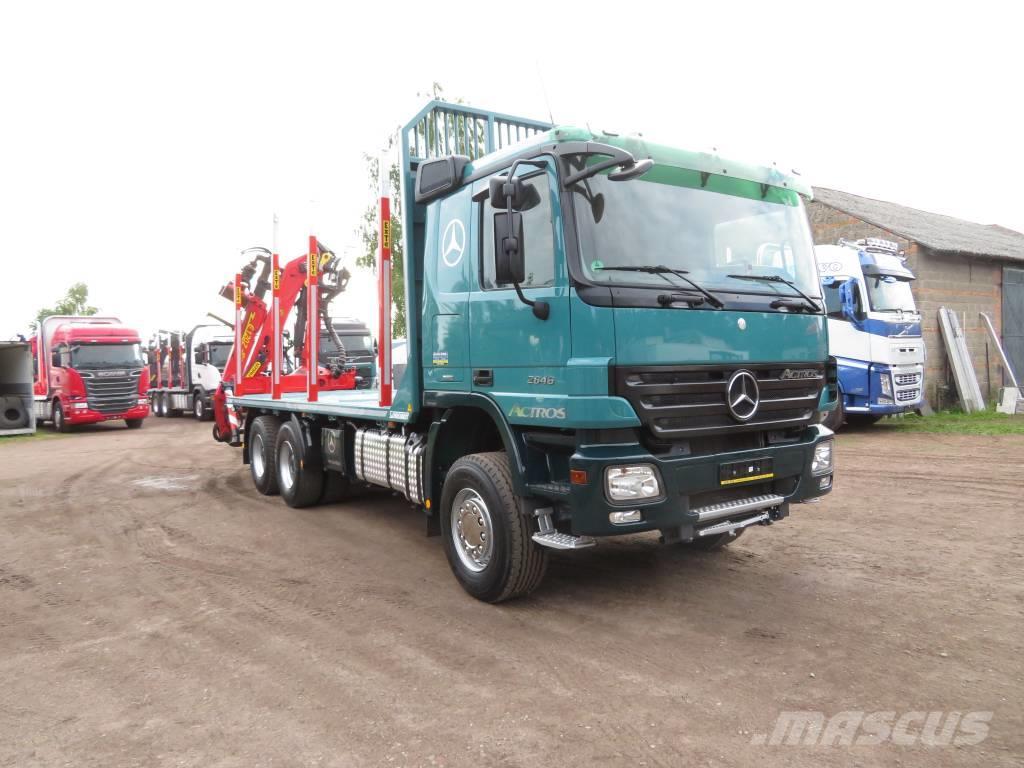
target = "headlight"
x: 626, y: 483
x: 821, y: 464
x: 886, y: 380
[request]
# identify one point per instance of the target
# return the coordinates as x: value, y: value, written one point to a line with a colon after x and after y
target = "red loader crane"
x: 257, y: 364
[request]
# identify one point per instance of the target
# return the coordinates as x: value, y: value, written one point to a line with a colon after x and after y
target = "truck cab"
x: 360, y: 349
x: 874, y: 330
x: 87, y: 370
x: 186, y: 369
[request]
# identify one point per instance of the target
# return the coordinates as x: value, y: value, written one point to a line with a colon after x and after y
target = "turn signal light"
x: 578, y: 476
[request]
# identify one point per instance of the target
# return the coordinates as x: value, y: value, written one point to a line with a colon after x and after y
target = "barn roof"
x: 932, y: 230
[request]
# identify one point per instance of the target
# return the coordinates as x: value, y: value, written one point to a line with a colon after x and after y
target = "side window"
x: 538, y: 239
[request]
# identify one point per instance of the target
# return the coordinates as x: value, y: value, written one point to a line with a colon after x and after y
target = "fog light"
x: 886, y: 381
x: 81, y: 406
x: 821, y: 464
x: 638, y: 481
x: 622, y: 518
x: 143, y: 401
x: 825, y: 482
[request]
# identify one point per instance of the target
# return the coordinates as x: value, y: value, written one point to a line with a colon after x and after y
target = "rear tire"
x: 133, y: 423
x: 263, y: 454
x: 487, y: 539
x: 300, y: 473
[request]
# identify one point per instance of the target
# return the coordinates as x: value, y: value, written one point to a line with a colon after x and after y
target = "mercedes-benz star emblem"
x: 742, y: 395
x: 453, y: 243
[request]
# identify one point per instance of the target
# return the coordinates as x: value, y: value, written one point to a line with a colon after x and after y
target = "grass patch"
x: 44, y: 433
x: 987, y: 422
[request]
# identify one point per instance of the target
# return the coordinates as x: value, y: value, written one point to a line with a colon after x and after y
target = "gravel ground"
x: 154, y: 610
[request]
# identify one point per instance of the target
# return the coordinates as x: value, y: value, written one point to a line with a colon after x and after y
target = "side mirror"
x: 509, y: 249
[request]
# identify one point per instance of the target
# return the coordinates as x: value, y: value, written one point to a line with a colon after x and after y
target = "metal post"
x: 384, y: 289
x: 312, y: 322
x: 275, y: 343
x: 239, y: 318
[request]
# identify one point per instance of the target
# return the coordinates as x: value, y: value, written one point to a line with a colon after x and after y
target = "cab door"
x: 511, y: 349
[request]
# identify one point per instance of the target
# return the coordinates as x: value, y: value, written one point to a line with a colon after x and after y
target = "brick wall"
x: 968, y: 286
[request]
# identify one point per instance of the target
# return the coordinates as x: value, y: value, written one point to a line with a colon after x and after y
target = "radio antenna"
x: 544, y: 91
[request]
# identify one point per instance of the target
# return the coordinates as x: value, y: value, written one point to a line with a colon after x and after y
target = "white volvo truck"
x: 874, y: 330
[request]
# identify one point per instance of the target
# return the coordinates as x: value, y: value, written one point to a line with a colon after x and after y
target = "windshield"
x: 106, y: 356
x: 219, y: 352
x: 889, y: 293
x: 666, y: 218
x: 356, y: 344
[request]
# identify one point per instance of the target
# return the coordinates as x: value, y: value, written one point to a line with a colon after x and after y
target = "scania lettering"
x: 605, y: 336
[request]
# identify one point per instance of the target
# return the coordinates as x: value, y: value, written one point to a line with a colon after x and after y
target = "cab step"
x: 547, y: 536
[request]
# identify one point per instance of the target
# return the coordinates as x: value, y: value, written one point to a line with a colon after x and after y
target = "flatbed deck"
x: 347, y: 403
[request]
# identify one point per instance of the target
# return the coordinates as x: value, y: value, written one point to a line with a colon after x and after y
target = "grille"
x: 907, y: 379
x: 111, y: 394
x: 906, y: 395
x: 677, y: 402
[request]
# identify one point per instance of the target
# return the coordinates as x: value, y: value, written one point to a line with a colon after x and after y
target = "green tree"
x: 74, y: 302
x: 369, y: 233
x: 469, y: 135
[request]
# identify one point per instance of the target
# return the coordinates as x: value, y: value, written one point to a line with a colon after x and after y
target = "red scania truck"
x: 87, y: 370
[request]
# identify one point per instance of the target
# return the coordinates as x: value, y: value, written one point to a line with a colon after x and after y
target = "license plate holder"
x: 749, y: 471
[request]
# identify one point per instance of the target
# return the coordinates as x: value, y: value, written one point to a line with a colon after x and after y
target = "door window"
x: 538, y: 239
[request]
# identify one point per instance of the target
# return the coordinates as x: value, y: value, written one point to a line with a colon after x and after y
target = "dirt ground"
x: 154, y: 610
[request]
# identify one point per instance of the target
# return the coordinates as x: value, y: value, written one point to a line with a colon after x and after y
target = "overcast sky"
x: 143, y: 145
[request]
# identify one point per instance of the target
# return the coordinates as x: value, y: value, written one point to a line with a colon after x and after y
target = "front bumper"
x: 74, y: 415
x: 686, y: 482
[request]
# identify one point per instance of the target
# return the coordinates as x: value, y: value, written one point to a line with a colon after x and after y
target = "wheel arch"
x: 469, y: 423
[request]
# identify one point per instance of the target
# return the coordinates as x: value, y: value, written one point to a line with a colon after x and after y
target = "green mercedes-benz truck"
x: 605, y: 336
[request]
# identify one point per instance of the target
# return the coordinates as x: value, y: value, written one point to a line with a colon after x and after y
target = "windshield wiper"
x: 811, y: 303
x: 662, y: 271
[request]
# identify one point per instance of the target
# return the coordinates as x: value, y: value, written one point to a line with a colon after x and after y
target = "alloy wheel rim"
x: 472, y: 530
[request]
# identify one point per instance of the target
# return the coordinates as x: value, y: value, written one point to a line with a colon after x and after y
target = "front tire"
x: 300, y: 473
x: 487, y: 539
x: 263, y: 454
x: 60, y: 423
x: 199, y: 409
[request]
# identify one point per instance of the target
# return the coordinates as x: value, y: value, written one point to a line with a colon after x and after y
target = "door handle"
x: 483, y: 377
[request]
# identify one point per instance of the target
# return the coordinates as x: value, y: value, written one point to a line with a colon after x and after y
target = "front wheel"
x: 60, y: 424
x: 487, y: 539
x: 199, y: 408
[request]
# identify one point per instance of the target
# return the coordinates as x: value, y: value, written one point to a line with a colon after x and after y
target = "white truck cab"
x: 874, y: 329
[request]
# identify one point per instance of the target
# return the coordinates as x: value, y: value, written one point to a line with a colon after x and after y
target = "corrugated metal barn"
x: 967, y: 267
